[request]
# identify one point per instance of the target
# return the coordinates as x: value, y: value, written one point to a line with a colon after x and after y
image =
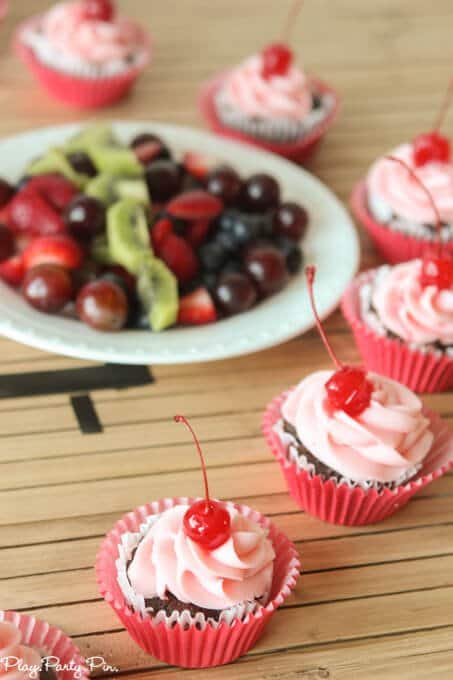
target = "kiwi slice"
x: 97, y: 134
x: 157, y: 290
x: 128, y: 233
x: 55, y: 161
x: 102, y: 187
x: 132, y: 188
x: 116, y: 160
x: 100, y: 250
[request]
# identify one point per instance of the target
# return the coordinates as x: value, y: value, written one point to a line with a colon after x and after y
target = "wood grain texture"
x: 373, y: 602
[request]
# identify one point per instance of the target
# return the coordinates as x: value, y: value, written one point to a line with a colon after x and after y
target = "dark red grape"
x: 225, y: 183
x: 292, y: 253
x: 81, y: 162
x: 261, y: 193
x: 267, y: 268
x: 6, y: 192
x: 47, y: 288
x: 102, y: 305
x: 85, y: 217
x: 164, y: 180
x: 6, y: 243
x: 150, y: 148
x: 290, y: 220
x: 235, y: 293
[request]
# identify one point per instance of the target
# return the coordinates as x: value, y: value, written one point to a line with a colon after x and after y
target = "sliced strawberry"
x: 12, y: 270
x: 197, y: 308
x: 178, y: 255
x: 195, y: 205
x: 56, y: 189
x: 30, y: 214
x: 197, y: 232
x: 196, y: 164
x: 61, y: 250
x: 160, y: 231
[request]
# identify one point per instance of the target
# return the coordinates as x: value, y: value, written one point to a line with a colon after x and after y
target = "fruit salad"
x: 131, y: 236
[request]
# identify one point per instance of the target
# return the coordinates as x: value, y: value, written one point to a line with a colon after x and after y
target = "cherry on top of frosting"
x: 278, y: 57
x: 99, y: 10
x: 206, y: 522
x: 432, y: 146
x: 437, y: 263
x: 348, y: 389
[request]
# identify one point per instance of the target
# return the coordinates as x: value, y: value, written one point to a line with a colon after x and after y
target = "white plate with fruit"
x: 135, y: 244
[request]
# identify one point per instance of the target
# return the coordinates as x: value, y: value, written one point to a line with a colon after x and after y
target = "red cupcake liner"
x: 298, y: 151
x: 52, y: 642
x: 191, y: 646
x: 355, y: 506
x: 77, y: 91
x: 394, y: 246
x: 420, y: 371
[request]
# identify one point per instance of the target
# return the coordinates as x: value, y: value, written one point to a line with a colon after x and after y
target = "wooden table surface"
x: 373, y: 602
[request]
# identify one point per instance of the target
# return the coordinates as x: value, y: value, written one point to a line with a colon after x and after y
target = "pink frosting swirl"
x: 287, y: 96
x: 415, y: 314
x: 68, y: 30
x: 382, y: 444
x: 392, y: 184
x: 167, y: 560
x: 17, y: 662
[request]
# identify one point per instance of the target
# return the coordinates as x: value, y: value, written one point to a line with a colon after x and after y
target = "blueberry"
x: 232, y: 265
x: 227, y: 219
x: 227, y: 240
x: 292, y: 253
x: 212, y: 256
x: 209, y: 280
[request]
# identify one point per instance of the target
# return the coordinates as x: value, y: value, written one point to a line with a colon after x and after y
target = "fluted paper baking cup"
x: 183, y: 642
x: 52, y: 642
x: 355, y: 506
x: 421, y: 371
x: 393, y: 245
x: 298, y: 151
x: 76, y: 90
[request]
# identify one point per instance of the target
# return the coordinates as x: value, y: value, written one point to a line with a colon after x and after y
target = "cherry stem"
x: 182, y: 419
x: 310, y: 272
x: 418, y: 181
x: 293, y: 13
x: 446, y: 103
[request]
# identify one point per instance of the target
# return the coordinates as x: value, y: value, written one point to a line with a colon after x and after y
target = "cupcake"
x: 195, y: 581
x: 32, y: 650
x: 270, y: 102
x: 82, y: 53
x: 355, y: 446
x: 393, y: 208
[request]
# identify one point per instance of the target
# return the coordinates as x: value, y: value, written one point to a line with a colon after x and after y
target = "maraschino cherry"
x: 432, y: 146
x: 277, y: 57
x: 437, y: 264
x: 349, y: 389
x: 99, y: 10
x: 206, y: 522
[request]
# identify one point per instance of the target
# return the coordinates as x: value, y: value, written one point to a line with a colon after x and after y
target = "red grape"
x: 102, y: 305
x: 47, y: 288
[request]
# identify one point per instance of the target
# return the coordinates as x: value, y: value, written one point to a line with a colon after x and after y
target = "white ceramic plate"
x: 331, y: 244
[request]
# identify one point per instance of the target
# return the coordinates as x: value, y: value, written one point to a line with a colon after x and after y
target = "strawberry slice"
x: 195, y: 205
x: 60, y: 249
x: 30, y: 214
x: 196, y: 308
x: 56, y: 189
x: 197, y: 232
x: 12, y: 270
x: 160, y: 231
x: 178, y: 255
x: 196, y: 164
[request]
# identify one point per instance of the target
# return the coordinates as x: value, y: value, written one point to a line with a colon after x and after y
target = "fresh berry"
x: 196, y: 164
x: 266, y: 267
x: 99, y: 10
x: 213, y: 256
x: 59, y: 250
x: 6, y: 192
x: 197, y: 232
x: 6, y: 243
x: 54, y: 188
x: 241, y: 227
x: 163, y: 178
x: 292, y: 253
x: 85, y: 217
x: 277, y: 59
x: 196, y: 308
x: 429, y: 148
x: 206, y: 522
x: 12, y: 270
x: 30, y: 214
x: 82, y: 163
x: 149, y: 148
x: 438, y: 272
x: 179, y: 257
x: 225, y: 183
x: 160, y: 230
x: 260, y: 193
x: 47, y: 288
x: 290, y: 220
x: 235, y: 293
x: 195, y: 205
x: 102, y: 305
